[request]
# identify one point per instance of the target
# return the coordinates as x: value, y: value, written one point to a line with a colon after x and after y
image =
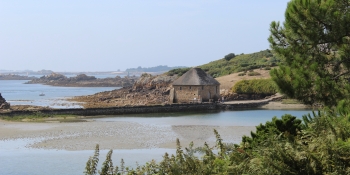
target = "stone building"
x: 195, y: 86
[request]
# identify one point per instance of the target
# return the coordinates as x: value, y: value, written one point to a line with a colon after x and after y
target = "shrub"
x: 256, y: 86
x: 179, y: 71
x: 242, y: 74
x: 229, y: 56
x: 253, y: 73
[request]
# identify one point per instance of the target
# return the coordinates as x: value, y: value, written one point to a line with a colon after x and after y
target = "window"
x: 202, y: 87
x: 190, y: 87
x: 180, y: 88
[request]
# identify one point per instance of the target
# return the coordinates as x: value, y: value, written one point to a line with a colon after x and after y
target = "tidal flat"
x: 65, y: 147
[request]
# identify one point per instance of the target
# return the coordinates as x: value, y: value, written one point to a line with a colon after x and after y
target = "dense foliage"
x: 255, y: 86
x: 238, y: 63
x: 319, y: 145
x: 179, y: 71
x: 314, y: 42
x: 229, y: 56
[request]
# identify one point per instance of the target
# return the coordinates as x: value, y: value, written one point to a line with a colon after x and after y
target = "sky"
x: 90, y: 35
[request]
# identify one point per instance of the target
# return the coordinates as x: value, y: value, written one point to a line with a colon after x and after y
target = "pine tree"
x: 314, y: 42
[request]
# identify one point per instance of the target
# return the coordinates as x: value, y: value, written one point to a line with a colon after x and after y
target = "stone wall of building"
x: 209, y: 92
x: 185, y: 94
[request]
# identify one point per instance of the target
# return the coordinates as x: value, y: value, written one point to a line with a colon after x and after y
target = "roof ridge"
x: 196, y: 76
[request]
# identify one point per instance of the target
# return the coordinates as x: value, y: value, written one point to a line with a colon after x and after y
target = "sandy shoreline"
x: 279, y: 105
x: 116, y: 135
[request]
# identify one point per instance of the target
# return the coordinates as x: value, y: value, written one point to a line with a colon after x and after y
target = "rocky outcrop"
x: 147, y: 81
x: 3, y: 103
x: 147, y: 90
x: 83, y: 80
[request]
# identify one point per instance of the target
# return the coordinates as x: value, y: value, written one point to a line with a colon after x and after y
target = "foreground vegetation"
x: 240, y: 63
x: 318, y: 145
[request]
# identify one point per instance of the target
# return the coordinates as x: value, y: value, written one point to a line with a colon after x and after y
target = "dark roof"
x: 196, y: 76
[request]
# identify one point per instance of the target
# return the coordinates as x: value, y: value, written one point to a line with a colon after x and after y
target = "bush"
x: 229, y: 56
x: 179, y: 71
x: 242, y: 74
x: 253, y: 73
x: 256, y: 86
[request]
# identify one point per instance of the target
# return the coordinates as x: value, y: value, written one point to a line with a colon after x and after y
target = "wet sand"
x: 280, y: 105
x: 117, y: 135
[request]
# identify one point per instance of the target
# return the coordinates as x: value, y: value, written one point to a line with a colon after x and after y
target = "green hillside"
x: 239, y: 63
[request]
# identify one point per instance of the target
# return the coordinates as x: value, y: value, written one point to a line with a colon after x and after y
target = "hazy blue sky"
x: 90, y: 35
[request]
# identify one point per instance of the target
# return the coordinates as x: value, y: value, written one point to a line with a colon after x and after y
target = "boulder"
x: 147, y: 81
x: 3, y: 103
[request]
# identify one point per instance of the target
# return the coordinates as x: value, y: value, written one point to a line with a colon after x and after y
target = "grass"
x: 40, y: 117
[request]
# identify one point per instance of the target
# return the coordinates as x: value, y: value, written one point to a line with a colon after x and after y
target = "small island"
x: 15, y: 77
x: 82, y: 80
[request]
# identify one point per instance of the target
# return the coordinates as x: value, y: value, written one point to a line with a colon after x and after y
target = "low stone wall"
x: 140, y: 109
x: 120, y: 110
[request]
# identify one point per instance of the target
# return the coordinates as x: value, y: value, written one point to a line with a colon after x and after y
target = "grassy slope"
x: 227, y: 81
x: 243, y: 62
x: 226, y: 72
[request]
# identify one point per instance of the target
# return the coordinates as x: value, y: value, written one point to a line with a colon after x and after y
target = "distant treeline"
x: 159, y: 68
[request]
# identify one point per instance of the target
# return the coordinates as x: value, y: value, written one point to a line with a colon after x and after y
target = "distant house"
x: 195, y: 86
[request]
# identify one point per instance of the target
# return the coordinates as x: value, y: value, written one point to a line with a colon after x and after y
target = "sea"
x: 17, y: 159
x: 16, y: 92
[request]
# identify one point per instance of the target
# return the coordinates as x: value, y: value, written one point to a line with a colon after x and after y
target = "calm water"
x: 16, y: 159
x: 18, y: 93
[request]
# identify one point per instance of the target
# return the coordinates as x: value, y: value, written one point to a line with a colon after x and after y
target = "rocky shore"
x: 83, y: 80
x: 3, y: 103
x: 147, y: 90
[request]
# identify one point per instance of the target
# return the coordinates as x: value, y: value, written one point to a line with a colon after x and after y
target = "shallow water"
x: 18, y: 93
x: 17, y: 159
x: 21, y: 160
